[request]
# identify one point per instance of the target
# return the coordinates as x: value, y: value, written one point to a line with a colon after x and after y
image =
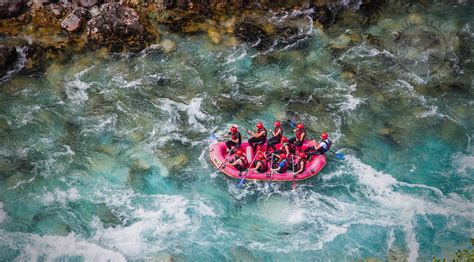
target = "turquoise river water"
x: 105, y: 157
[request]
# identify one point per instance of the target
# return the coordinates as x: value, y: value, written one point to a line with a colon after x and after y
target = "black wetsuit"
x: 311, y: 151
x: 298, y: 164
x: 263, y: 168
x: 231, y: 143
x: 296, y: 142
x: 241, y: 167
x: 254, y: 141
x: 274, y: 140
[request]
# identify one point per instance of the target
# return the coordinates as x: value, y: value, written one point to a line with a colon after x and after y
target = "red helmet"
x: 277, y: 124
x: 233, y: 129
x: 300, y: 126
x: 259, y: 125
x: 302, y: 155
x: 284, y: 139
x: 282, y: 156
x: 324, y: 135
x: 239, y: 153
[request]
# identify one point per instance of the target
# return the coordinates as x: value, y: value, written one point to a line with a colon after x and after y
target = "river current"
x: 105, y: 157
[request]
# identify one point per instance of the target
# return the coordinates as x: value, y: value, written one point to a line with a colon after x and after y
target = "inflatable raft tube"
x: 217, y: 155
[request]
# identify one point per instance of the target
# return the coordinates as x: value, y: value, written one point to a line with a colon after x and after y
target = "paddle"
x: 213, y: 138
x: 294, y: 176
x: 338, y: 155
x: 241, y: 182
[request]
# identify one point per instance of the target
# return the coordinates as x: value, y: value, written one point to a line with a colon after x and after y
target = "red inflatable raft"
x: 217, y: 155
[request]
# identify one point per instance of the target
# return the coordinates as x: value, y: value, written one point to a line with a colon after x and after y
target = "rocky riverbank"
x: 56, y: 30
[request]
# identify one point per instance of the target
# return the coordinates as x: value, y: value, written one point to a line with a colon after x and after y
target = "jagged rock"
x: 56, y: 9
x: 72, y: 22
x: 10, y: 8
x: 115, y: 24
x: 323, y: 15
x: 252, y: 34
x: 88, y: 3
x: 8, y: 56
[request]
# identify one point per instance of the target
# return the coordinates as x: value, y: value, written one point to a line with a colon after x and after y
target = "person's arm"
x: 287, y: 149
x: 260, y: 134
x: 300, y: 170
x: 302, y: 136
x: 278, y: 132
x: 250, y: 133
x: 256, y: 166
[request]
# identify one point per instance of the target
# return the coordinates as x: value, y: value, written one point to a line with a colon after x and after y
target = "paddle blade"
x: 241, y: 183
x: 212, y: 138
x: 294, y: 184
x: 291, y: 123
x: 340, y: 156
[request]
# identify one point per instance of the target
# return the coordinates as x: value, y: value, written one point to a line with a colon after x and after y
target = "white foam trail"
x: 381, y: 187
x: 464, y: 164
x: 193, y: 111
x: 33, y: 247
x: 71, y: 195
x: 3, y: 214
x: 76, y: 90
x: 155, y: 225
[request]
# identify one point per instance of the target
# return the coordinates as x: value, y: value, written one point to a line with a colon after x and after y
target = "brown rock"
x: 88, y: 3
x: 10, y: 8
x: 116, y: 24
x: 71, y: 23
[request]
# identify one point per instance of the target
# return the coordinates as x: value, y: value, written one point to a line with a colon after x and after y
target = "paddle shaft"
x: 248, y: 169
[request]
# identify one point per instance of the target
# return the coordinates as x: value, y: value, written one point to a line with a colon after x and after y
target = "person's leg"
x: 251, y: 142
x: 271, y: 143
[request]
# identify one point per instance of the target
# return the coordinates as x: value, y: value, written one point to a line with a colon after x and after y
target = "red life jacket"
x: 281, y: 133
x: 262, y: 129
x: 300, y: 134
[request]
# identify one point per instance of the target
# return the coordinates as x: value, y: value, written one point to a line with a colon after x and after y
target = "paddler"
x: 300, y: 164
x: 235, y: 139
x: 322, y: 147
x: 284, y: 148
x: 260, y: 164
x: 300, y: 135
x: 259, y: 137
x: 277, y: 134
x: 240, y: 161
x: 281, y: 165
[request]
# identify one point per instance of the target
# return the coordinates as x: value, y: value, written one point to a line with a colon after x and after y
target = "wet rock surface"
x: 58, y: 28
x: 8, y: 56
x: 10, y: 8
x: 115, y: 23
